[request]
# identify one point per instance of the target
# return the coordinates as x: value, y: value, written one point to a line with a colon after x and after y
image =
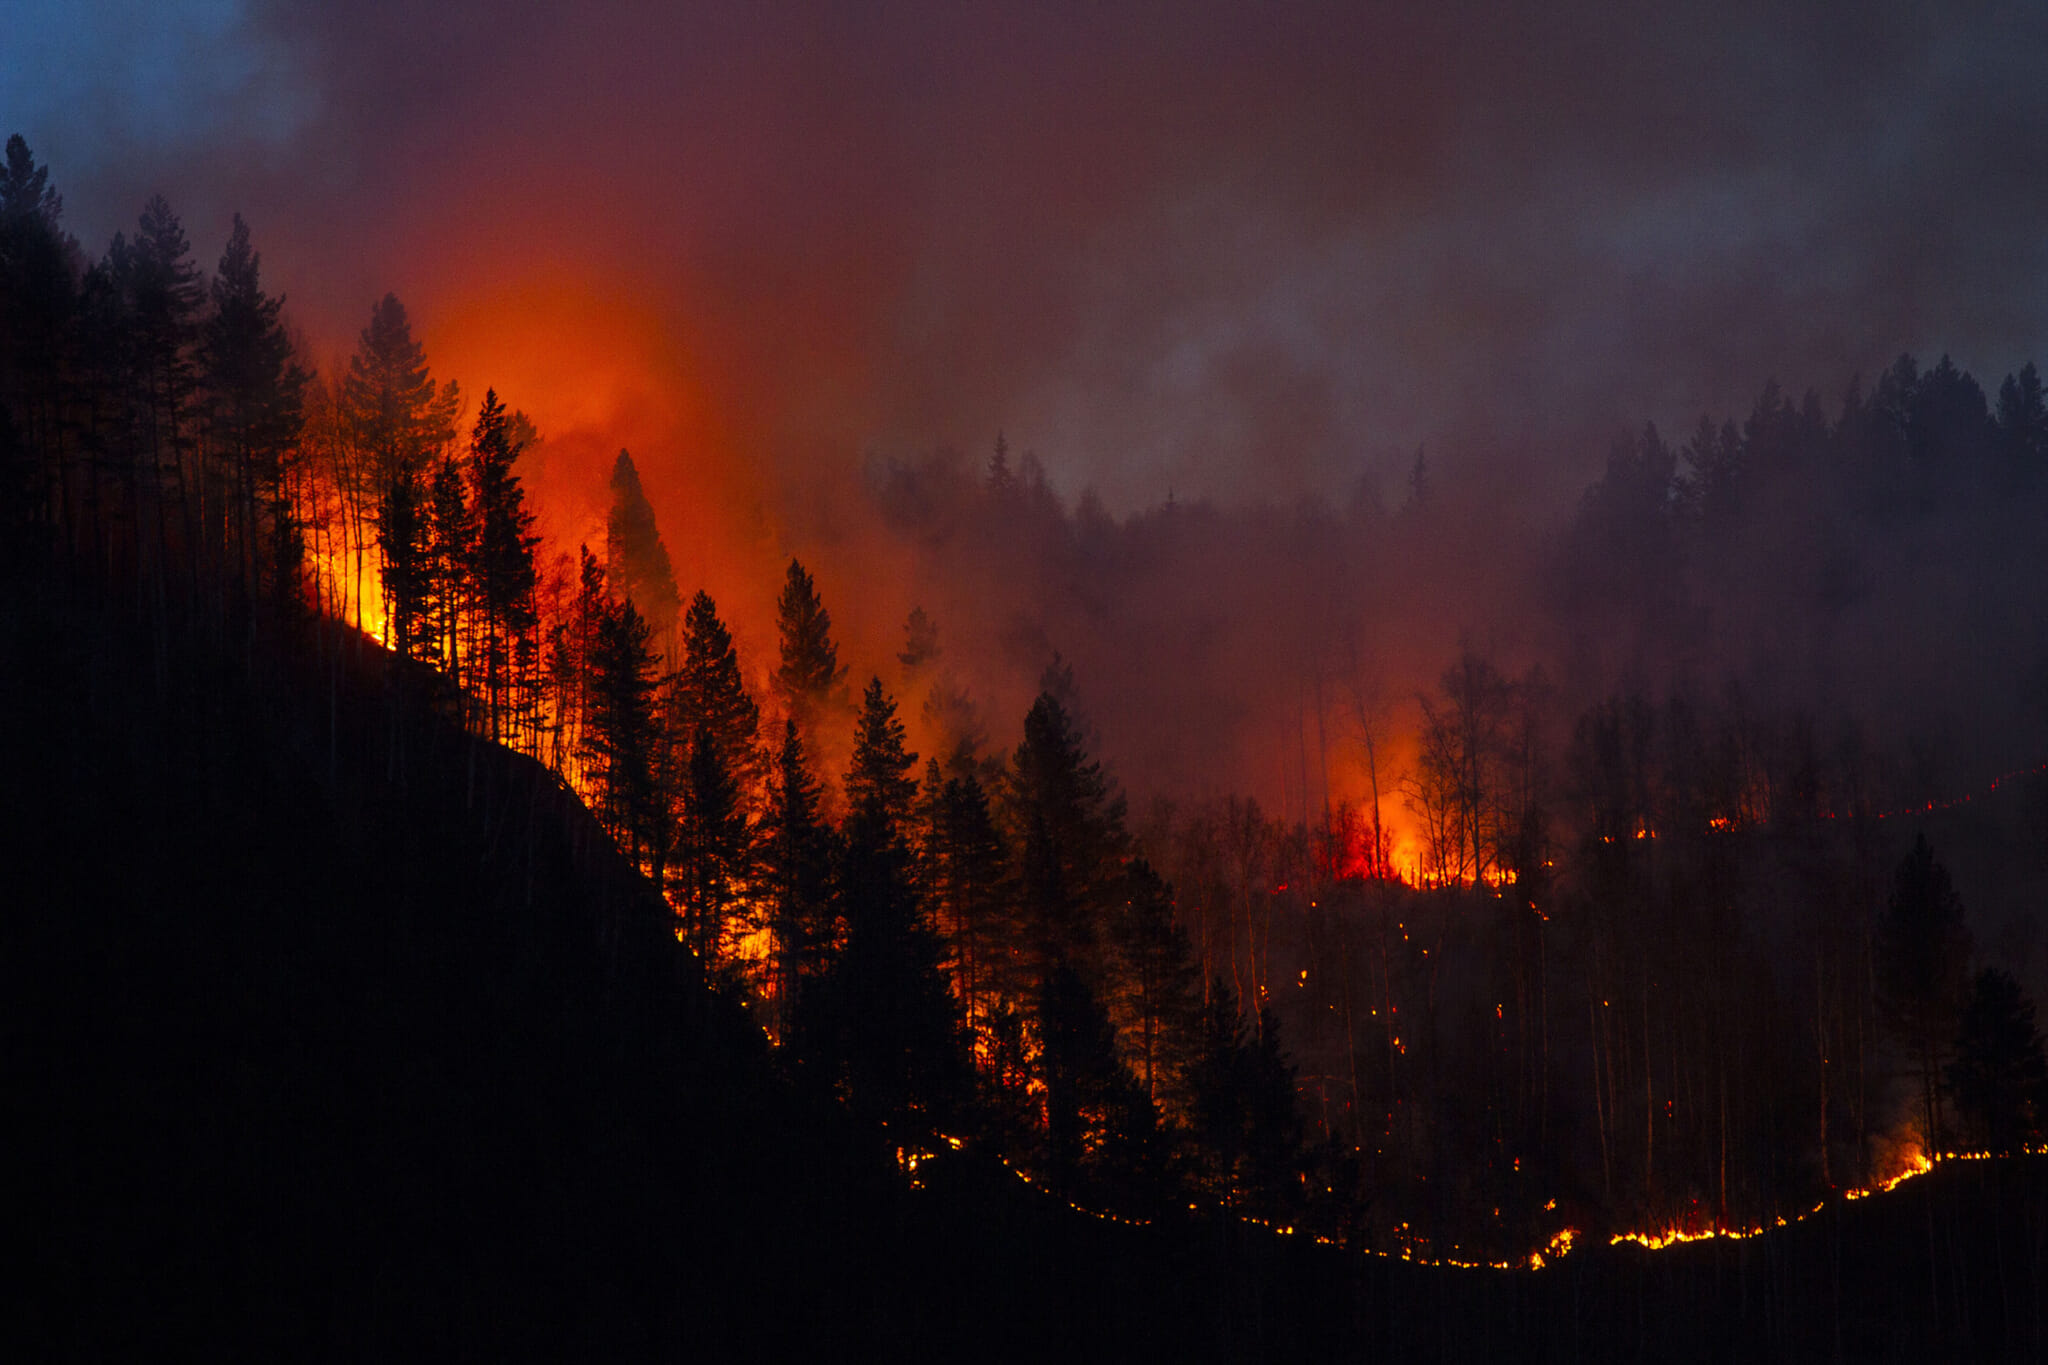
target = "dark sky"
x: 1228, y: 249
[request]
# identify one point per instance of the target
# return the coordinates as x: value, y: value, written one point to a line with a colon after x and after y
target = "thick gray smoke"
x: 1222, y: 250
x: 1245, y: 259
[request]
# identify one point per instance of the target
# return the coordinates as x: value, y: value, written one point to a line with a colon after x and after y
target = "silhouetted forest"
x: 423, y: 938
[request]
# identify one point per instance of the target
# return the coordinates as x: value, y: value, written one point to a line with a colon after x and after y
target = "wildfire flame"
x: 1918, y: 1164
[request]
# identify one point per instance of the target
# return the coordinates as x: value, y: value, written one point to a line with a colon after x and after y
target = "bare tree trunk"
x: 1601, y: 1108
x: 1820, y: 1027
x: 1721, y: 1067
x: 1649, y: 1102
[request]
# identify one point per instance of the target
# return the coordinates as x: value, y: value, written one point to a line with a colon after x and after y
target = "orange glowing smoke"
x: 597, y: 367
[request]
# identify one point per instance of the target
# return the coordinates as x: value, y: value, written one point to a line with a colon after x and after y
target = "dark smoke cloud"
x: 1249, y: 254
x: 1232, y: 250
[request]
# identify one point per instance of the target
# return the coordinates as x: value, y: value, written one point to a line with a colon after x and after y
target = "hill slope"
x: 333, y: 1033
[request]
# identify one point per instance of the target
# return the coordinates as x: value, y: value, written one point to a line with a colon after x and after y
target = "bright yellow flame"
x: 1918, y: 1165
x: 349, y: 595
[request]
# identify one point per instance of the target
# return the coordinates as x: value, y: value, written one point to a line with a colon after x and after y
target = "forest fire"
x: 1147, y: 638
x: 346, y: 593
x: 1557, y: 1248
x: 1657, y: 1241
x: 1917, y: 1164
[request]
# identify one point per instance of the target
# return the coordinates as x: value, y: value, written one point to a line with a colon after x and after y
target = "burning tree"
x: 796, y: 854
x: 620, y: 733
x: 393, y: 421
x: 713, y: 757
x: 500, y: 560
x: 635, y: 557
x: 810, y: 679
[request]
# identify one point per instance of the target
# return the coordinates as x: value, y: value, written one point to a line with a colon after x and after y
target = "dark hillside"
x: 1949, y: 1266
x: 341, y: 1047
x: 333, y: 1033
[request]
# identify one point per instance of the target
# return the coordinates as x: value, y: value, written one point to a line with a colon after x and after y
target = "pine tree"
x: 796, y: 856
x: 105, y: 388
x: 880, y: 1022
x: 452, y: 538
x: 709, y: 687
x: 396, y: 413
x: 398, y: 421
x: 159, y: 296
x: 256, y: 410
x: 636, y: 560
x: 713, y: 847
x: 620, y: 734
x: 1070, y: 828
x: 2000, y: 1075
x: 166, y: 293
x: 38, y: 311
x: 810, y: 679
x: 2023, y: 418
x: 1923, y: 953
x: 408, y: 579
x: 962, y: 867
x: 571, y: 647
x: 1155, y: 999
x: 714, y: 728
x: 1099, y: 1127
x: 928, y: 837
x: 501, y: 561
x: 25, y: 190
x: 1246, y: 1129
x: 880, y: 791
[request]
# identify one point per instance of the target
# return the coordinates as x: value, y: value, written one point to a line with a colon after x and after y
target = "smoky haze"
x: 1246, y: 259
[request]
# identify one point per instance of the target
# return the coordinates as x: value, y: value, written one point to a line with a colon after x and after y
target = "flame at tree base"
x: 1917, y: 1164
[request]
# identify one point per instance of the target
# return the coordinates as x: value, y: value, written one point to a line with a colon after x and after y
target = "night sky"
x: 1227, y: 250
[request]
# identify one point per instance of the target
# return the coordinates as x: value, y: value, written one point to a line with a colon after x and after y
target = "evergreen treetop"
x: 396, y: 412
x: 810, y: 675
x: 258, y: 391
x: 25, y: 187
x: 709, y: 690
x: 635, y: 555
x: 880, y: 791
x: 503, y: 563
